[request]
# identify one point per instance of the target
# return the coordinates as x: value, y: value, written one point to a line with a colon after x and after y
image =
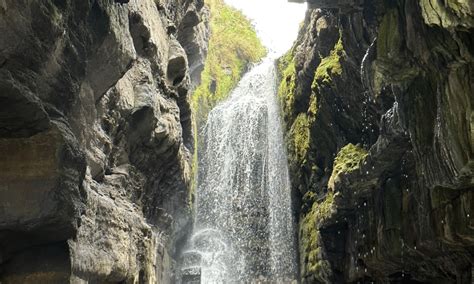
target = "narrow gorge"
x: 236, y: 141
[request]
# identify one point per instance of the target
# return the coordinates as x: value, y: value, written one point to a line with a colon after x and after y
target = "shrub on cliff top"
x: 233, y: 44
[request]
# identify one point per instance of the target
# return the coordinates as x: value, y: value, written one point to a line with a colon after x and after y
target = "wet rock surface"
x: 377, y: 98
x: 95, y: 137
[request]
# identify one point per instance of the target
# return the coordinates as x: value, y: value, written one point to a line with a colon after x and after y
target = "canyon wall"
x: 96, y: 137
x: 378, y: 100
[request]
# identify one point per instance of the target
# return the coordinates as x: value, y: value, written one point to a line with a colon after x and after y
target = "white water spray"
x: 244, y: 230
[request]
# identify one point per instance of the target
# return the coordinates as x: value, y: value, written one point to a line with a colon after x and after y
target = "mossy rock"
x: 300, y: 138
x: 330, y: 66
x: 287, y: 88
x: 314, y: 265
x: 391, y: 65
x: 347, y: 160
x: 389, y: 41
x: 448, y: 14
x: 313, y: 106
x: 284, y: 61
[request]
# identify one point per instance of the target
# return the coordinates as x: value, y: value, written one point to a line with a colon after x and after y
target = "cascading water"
x: 244, y: 229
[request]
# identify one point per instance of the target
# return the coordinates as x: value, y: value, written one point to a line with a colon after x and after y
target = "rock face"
x: 95, y: 137
x: 378, y: 100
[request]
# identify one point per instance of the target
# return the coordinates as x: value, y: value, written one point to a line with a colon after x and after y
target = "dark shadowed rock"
x: 380, y: 141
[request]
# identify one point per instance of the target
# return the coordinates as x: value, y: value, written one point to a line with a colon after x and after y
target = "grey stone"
x: 95, y: 176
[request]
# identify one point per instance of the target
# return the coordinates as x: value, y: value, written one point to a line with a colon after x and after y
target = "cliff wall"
x: 96, y: 137
x: 377, y: 97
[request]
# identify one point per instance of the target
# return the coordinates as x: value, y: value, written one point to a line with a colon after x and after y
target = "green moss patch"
x: 286, y: 90
x: 313, y: 106
x: 313, y: 264
x: 347, y: 160
x: 300, y: 138
x: 331, y: 65
x: 285, y: 61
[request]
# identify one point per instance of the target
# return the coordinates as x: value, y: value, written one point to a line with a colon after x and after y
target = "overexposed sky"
x: 276, y: 21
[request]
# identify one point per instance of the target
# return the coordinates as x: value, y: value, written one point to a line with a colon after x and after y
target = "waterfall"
x: 244, y: 227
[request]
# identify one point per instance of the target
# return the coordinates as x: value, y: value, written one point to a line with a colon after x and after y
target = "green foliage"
x: 233, y: 44
x: 347, y: 160
x: 330, y: 65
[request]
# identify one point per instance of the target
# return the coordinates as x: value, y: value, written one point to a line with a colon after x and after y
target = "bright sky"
x: 276, y: 21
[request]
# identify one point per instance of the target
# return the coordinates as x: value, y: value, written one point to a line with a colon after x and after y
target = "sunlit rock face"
x: 378, y: 105
x: 95, y: 137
